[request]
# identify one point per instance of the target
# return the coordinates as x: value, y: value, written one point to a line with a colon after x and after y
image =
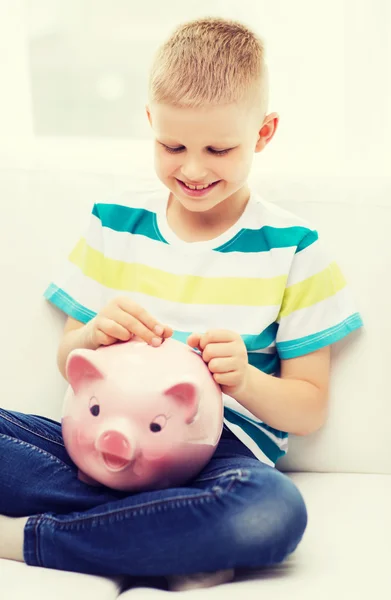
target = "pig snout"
x: 115, y: 443
x: 116, y: 449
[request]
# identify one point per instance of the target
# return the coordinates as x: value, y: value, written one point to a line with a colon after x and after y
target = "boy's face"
x: 208, y: 145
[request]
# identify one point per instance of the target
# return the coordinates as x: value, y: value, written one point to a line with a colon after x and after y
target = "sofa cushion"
x: 19, y: 581
x: 344, y: 553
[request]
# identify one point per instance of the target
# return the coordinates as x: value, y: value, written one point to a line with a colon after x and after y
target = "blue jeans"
x: 238, y: 512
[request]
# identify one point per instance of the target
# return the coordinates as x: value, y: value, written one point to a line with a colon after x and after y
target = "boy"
x: 206, y: 260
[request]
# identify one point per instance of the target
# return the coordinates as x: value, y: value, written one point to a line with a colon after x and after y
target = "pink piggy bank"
x: 137, y: 417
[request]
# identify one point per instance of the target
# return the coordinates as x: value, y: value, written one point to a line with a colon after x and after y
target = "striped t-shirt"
x: 267, y: 278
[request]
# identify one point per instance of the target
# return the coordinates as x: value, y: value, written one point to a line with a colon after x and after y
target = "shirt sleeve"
x: 317, y: 307
x: 77, y: 289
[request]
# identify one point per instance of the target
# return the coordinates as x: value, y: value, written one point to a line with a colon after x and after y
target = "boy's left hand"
x: 226, y: 356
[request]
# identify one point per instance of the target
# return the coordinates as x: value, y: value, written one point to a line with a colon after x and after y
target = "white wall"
x: 77, y: 69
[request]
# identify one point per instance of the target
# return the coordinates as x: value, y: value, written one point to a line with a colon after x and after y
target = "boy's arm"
x: 295, y: 402
x: 74, y: 336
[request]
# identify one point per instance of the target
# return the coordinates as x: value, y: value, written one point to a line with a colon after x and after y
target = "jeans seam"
x: 37, y: 449
x: 237, y: 475
x: 30, y: 430
x: 241, y: 474
x: 37, y: 550
x: 129, y: 511
x: 230, y: 486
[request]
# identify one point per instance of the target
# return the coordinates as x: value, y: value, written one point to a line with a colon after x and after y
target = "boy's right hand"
x: 120, y: 320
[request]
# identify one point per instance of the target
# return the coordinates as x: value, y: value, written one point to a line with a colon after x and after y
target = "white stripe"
x: 271, y: 349
x: 166, y: 257
x: 308, y: 262
x: 316, y: 318
x: 83, y: 290
x: 270, y: 214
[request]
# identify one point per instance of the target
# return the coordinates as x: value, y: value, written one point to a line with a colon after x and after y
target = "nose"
x: 193, y: 170
x: 115, y: 443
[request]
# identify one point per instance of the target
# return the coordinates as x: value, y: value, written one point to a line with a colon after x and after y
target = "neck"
x: 227, y: 212
x: 194, y: 226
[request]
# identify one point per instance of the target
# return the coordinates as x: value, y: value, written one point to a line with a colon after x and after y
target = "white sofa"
x: 343, y: 471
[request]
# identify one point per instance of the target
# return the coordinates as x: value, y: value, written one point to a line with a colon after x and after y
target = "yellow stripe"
x: 312, y: 290
x: 187, y: 289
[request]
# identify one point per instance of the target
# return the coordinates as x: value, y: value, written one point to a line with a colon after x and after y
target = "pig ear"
x: 186, y: 394
x: 80, y: 368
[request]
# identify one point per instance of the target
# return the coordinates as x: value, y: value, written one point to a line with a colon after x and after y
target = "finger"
x: 105, y: 340
x: 168, y: 331
x: 215, y: 350
x: 139, y: 329
x: 112, y: 329
x: 194, y: 340
x: 221, y: 365
x: 219, y: 335
x: 228, y: 379
x: 135, y: 310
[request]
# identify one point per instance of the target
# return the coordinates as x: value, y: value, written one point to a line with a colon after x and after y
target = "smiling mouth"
x: 203, y: 186
x: 197, y: 191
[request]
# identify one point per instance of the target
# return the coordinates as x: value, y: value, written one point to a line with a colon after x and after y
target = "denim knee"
x: 271, y: 520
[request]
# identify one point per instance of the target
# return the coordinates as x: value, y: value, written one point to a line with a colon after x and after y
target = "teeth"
x: 197, y: 187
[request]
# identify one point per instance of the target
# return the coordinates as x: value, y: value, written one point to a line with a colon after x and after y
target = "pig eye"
x: 94, y: 406
x: 158, y: 424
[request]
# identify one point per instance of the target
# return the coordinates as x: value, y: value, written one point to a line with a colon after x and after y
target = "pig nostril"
x: 114, y: 443
x: 122, y: 442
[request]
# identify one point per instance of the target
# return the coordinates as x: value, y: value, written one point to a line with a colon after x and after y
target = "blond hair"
x: 210, y: 61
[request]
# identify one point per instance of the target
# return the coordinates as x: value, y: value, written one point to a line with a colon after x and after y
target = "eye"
x: 173, y: 150
x: 211, y: 150
x: 220, y: 152
x: 94, y: 406
x: 158, y: 424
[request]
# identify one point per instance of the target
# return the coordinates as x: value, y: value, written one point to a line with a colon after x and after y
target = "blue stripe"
x: 266, y: 238
x: 268, y: 363
x: 126, y: 219
x: 263, y: 340
x: 67, y: 304
x: 181, y: 336
x: 307, y: 240
x: 140, y: 221
x: 252, y: 342
x: 262, y: 440
x: 310, y: 343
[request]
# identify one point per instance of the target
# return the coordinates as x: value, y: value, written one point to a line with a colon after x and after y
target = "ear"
x: 148, y: 111
x: 267, y: 131
x: 81, y: 370
x: 185, y: 394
